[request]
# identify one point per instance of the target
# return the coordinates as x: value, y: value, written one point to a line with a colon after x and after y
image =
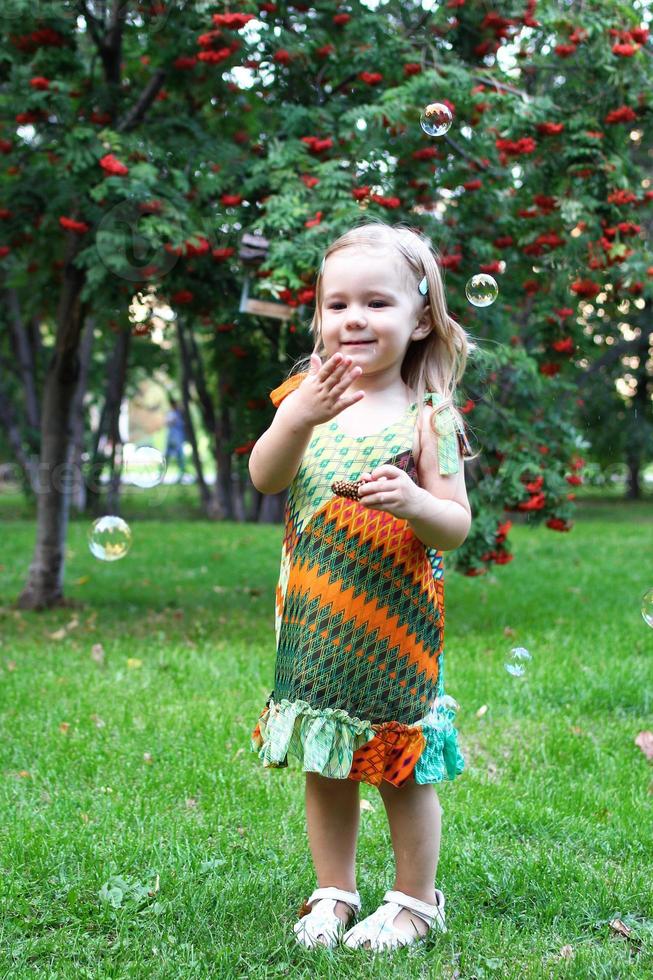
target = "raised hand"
x: 323, y: 393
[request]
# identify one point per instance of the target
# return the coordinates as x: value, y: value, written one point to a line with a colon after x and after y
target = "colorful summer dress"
x: 359, y: 619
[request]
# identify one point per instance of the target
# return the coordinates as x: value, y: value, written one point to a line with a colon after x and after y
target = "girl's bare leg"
x: 414, y: 815
x: 332, y: 819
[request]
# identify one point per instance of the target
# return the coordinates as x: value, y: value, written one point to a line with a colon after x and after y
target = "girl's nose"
x: 356, y: 315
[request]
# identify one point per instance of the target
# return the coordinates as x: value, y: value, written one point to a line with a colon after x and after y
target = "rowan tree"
x: 178, y: 127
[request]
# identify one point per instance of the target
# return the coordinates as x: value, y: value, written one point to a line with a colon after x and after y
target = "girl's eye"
x: 374, y: 302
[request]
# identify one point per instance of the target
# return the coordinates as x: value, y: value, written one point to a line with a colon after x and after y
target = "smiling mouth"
x: 356, y: 343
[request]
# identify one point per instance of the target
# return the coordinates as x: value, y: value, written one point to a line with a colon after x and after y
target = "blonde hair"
x: 436, y: 362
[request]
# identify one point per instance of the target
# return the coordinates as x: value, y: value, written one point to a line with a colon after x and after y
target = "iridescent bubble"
x: 145, y: 467
x: 647, y: 607
x: 519, y: 657
x: 614, y: 477
x: 109, y: 538
x: 436, y: 119
x: 481, y: 290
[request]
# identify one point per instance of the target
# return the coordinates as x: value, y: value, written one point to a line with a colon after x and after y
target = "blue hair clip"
x: 423, y: 286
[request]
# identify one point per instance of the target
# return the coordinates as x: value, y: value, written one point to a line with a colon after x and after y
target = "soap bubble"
x: 519, y: 657
x: 145, y: 467
x: 614, y: 476
x: 481, y: 290
x: 647, y: 607
x: 109, y: 538
x: 436, y: 119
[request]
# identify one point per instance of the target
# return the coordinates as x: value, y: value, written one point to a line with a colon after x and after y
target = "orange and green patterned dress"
x: 359, y: 620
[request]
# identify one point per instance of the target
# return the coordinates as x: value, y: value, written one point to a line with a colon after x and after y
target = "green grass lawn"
x: 141, y: 837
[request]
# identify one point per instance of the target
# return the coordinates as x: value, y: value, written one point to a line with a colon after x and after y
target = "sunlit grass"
x: 141, y: 837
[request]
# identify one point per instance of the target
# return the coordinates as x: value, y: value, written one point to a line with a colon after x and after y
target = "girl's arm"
x: 278, y: 453
x: 446, y: 516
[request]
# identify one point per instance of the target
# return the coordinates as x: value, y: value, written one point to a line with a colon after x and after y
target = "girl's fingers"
x: 342, y: 369
x: 350, y: 376
x: 343, y: 383
x: 337, y: 372
x: 356, y: 397
x: 333, y: 364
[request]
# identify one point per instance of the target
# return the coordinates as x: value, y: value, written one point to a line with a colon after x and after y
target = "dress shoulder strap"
x: 451, y: 435
x: 294, y: 381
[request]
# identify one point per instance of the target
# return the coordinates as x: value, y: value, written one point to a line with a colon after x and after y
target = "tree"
x: 182, y: 128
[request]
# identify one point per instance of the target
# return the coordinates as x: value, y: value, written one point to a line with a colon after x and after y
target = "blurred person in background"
x: 176, y: 437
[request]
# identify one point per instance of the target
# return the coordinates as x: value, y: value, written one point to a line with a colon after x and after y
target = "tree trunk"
x: 255, y: 501
x: 272, y: 507
x: 186, y: 375
x: 108, y: 423
x: 636, y: 445
x: 26, y: 366
x: 211, y: 423
x: 112, y: 504
x: 78, y: 488
x: 205, y: 493
x: 36, y: 346
x: 220, y: 428
x: 223, y: 459
x: 238, y: 495
x: 633, y: 489
x: 14, y: 436
x: 115, y: 393
x: 640, y: 424
x: 44, y: 586
x: 93, y: 473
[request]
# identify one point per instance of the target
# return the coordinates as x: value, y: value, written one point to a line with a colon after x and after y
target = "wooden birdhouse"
x: 253, y: 250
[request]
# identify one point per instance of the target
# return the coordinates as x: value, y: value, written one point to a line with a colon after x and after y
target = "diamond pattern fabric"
x: 359, y: 620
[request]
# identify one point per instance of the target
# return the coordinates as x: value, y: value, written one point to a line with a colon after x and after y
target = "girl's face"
x: 370, y: 308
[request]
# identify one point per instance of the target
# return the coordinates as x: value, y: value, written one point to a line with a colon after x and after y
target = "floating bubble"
x: 145, y: 467
x: 647, y: 607
x: 614, y: 477
x: 436, y: 119
x: 481, y: 290
x: 519, y: 657
x: 109, y: 538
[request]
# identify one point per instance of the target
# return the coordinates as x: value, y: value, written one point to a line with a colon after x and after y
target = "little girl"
x: 370, y: 446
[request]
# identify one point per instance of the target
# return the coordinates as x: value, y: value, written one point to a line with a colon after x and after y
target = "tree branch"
x: 145, y: 100
x: 109, y: 43
x: 92, y: 24
x: 611, y: 355
x: 342, y: 84
x: 116, y: 24
x: 420, y: 23
x: 500, y: 85
x: 467, y: 156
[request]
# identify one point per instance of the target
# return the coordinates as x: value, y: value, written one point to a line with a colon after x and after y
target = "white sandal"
x: 322, y: 920
x: 378, y: 929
